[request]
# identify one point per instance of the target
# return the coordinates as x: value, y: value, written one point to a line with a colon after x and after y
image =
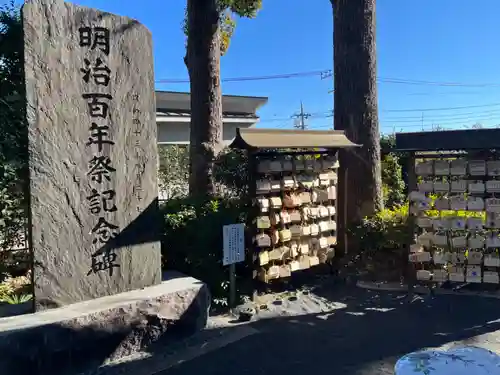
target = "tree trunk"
x: 203, y: 63
x: 356, y: 109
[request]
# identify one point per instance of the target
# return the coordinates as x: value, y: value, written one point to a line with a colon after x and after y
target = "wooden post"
x: 341, y: 206
x: 412, y: 186
x: 251, y: 230
x: 232, y: 286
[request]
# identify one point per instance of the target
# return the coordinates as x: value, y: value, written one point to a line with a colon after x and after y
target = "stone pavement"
x: 357, y: 332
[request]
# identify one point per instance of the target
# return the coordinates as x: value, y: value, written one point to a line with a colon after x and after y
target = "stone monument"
x: 93, y: 153
x: 98, y: 287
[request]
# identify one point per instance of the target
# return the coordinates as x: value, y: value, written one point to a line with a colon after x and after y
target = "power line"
x: 443, y: 116
x: 445, y: 121
x: 435, y: 83
x: 437, y: 118
x: 414, y: 123
x: 453, y: 125
x: 449, y: 93
x: 313, y: 73
x: 327, y: 73
x: 416, y: 120
x: 441, y: 109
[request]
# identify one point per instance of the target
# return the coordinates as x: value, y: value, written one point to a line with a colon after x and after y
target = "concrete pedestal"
x: 94, y: 332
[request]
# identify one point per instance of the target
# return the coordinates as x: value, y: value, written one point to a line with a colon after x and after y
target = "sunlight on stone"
x: 380, y: 309
x: 355, y: 313
x: 325, y: 316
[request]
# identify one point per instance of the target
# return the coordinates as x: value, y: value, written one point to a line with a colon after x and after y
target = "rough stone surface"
x: 60, y: 119
x: 72, y: 338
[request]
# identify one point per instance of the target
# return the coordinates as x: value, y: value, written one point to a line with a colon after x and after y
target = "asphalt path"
x: 365, y: 333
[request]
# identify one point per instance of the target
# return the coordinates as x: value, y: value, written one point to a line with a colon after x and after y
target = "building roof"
x: 447, y: 140
x: 253, y: 138
x: 160, y: 113
x: 173, y: 102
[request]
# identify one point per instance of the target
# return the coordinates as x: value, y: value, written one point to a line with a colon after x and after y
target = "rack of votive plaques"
x: 296, y: 221
x: 457, y: 221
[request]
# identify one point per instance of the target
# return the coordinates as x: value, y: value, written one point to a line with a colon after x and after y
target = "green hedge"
x: 192, y: 241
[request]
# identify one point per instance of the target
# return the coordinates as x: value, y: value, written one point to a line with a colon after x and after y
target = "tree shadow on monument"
x: 146, y: 228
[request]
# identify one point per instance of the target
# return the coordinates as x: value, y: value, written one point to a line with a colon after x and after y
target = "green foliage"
x: 13, y: 140
x: 386, y: 230
x: 227, y: 23
x: 387, y: 142
x: 15, y: 299
x: 381, y: 241
x: 13, y: 129
x: 243, y: 8
x: 192, y: 239
x: 173, y: 172
x: 192, y: 235
x: 230, y: 171
x: 393, y: 186
x: 14, y: 286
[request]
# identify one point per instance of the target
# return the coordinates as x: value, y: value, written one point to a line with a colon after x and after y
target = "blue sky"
x: 418, y: 40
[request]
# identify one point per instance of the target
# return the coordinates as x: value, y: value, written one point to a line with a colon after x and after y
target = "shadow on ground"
x: 365, y: 333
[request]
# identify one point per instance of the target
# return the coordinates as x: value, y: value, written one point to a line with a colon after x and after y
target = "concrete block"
x: 74, y: 337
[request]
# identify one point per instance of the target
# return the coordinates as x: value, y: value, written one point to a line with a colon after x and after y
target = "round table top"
x: 459, y: 361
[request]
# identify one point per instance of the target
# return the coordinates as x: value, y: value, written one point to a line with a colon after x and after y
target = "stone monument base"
x: 90, y: 333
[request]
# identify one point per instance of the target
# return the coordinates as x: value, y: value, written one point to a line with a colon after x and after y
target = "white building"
x: 173, y: 117
x: 173, y: 111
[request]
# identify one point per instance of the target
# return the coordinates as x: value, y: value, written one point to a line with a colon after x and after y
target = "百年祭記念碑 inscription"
x: 101, y: 170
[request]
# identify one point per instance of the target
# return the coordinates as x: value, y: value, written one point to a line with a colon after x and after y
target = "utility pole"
x: 301, y: 116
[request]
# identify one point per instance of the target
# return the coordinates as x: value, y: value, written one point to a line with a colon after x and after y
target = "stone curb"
x: 396, y: 287
x: 446, y: 292
x: 387, y: 287
x: 391, y: 287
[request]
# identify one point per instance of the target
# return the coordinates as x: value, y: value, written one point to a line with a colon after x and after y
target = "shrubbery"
x: 381, y: 243
x: 383, y: 240
x: 393, y: 185
x: 192, y: 240
x: 13, y: 136
x: 192, y: 231
x: 15, y: 290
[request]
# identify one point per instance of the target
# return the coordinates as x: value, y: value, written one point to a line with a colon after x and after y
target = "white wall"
x: 178, y: 132
x: 173, y: 133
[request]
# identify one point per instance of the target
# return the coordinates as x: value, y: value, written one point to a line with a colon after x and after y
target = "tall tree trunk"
x: 356, y: 108
x: 203, y: 63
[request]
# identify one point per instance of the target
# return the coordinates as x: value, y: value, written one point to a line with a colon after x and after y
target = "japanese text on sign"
x: 139, y: 169
x: 234, y: 243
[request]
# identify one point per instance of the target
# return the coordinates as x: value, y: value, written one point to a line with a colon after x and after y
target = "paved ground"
x: 352, y: 332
